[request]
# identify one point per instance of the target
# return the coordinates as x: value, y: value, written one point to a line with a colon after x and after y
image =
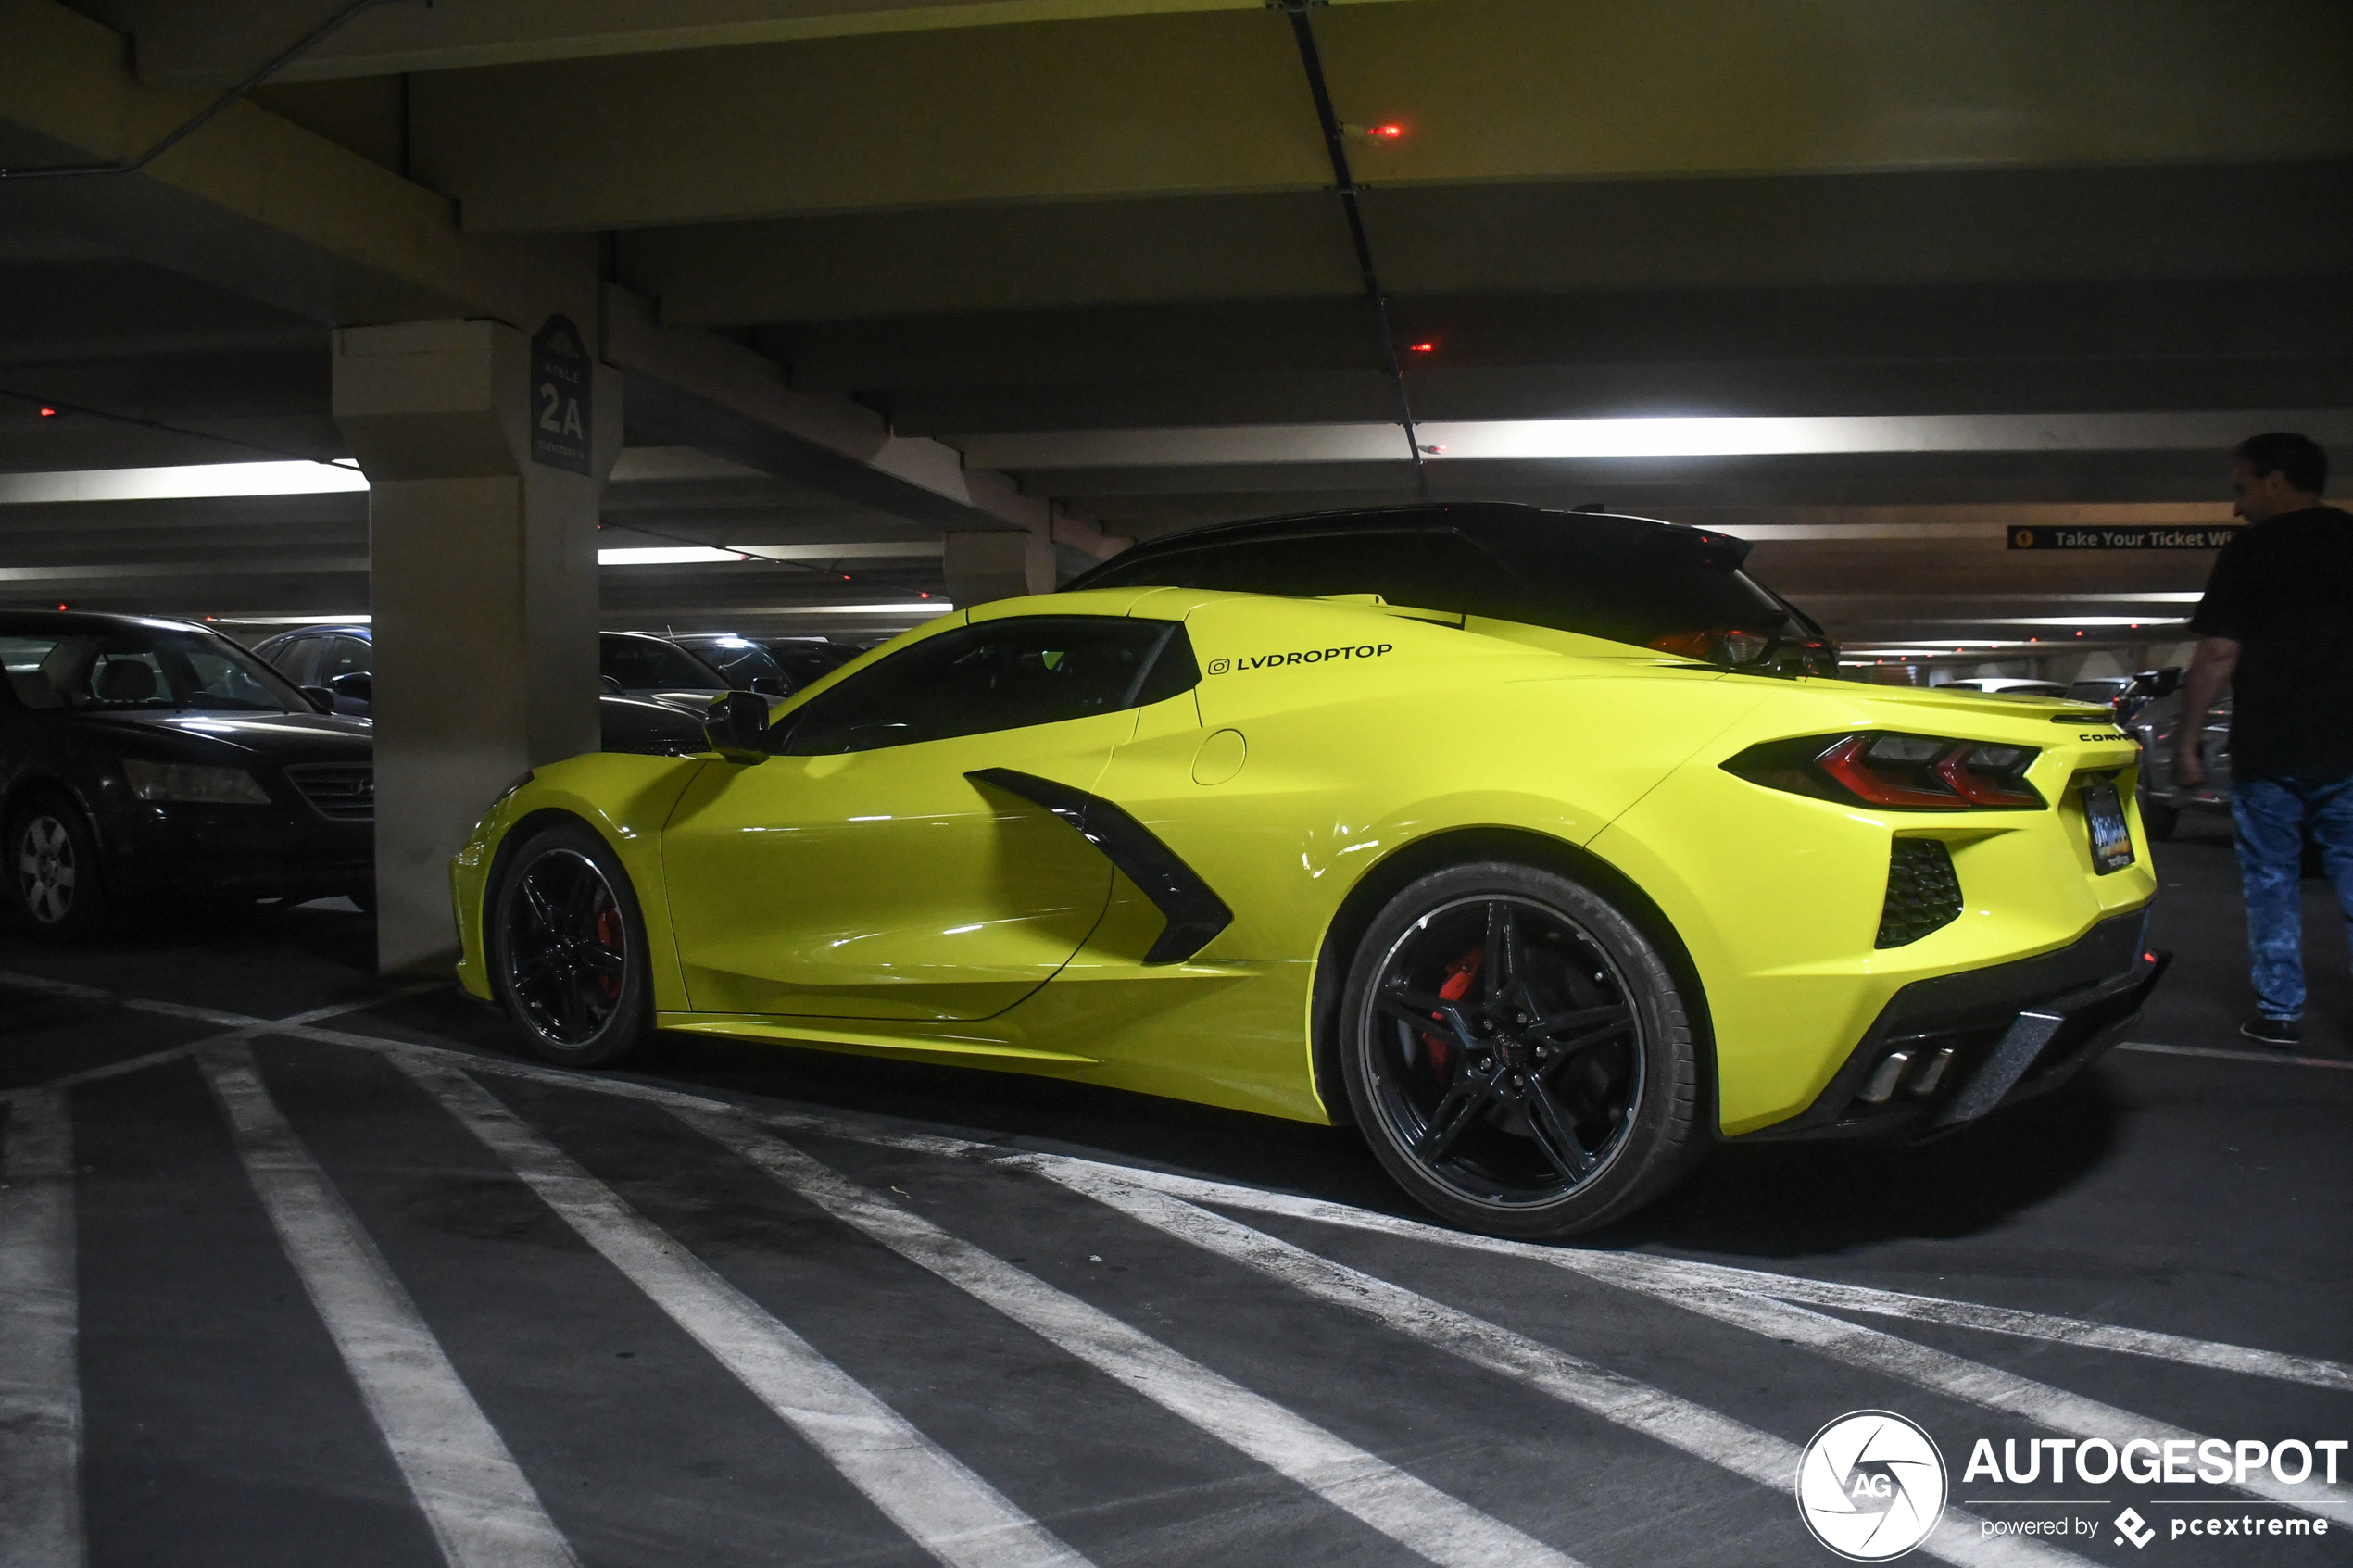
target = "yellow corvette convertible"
x: 1540, y: 846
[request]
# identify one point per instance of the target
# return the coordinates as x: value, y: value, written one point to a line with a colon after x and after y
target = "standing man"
x: 2276, y: 626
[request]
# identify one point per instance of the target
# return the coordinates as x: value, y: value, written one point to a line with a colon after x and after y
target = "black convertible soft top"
x: 1628, y: 579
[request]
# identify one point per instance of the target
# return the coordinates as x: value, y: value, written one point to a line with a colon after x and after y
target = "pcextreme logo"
x: 1871, y: 1486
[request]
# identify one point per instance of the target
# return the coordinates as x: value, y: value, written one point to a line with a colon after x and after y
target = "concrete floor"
x: 311, y: 1293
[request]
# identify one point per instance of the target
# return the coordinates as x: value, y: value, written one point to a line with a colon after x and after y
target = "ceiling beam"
x: 1489, y: 92
x: 1825, y: 230
x: 700, y: 390
x: 185, y: 45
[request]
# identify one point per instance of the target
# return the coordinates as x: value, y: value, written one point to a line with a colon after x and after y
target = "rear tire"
x: 567, y: 949
x: 58, y: 887
x: 1547, y: 1095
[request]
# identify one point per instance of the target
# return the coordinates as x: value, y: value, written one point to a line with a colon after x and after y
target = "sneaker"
x: 2278, y: 1032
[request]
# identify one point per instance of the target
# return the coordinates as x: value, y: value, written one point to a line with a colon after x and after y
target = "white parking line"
x: 2223, y: 1053
x: 1408, y: 1510
x: 2149, y: 1343
x: 948, y: 1510
x: 1622, y: 1401
x: 1642, y: 1270
x: 249, y: 1029
x: 481, y: 1511
x: 2053, y: 1408
x: 40, y: 1391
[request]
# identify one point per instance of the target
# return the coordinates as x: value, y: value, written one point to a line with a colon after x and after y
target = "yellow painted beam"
x: 1212, y: 102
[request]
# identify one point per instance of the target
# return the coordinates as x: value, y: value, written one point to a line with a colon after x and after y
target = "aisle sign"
x: 562, y: 379
x: 2198, y: 536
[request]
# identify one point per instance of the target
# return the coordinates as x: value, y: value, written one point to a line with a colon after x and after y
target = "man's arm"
x: 2210, y: 670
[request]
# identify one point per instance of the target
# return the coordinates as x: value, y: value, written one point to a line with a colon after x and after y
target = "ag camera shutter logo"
x: 1871, y: 1486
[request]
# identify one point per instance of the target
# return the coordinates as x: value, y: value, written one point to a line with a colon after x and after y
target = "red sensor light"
x: 1387, y: 131
x: 47, y: 412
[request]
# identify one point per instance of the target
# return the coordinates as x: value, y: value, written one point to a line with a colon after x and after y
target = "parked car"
x: 2127, y: 695
x: 1546, y: 883
x: 142, y: 757
x: 2156, y: 726
x: 805, y: 659
x: 336, y: 666
x: 640, y: 664
x: 746, y: 666
x: 2006, y: 685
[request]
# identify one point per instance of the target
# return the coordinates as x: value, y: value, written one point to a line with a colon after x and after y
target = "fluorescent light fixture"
x: 667, y: 555
x: 1708, y: 436
x: 2143, y: 621
x: 920, y: 607
x: 329, y: 619
x: 190, y: 482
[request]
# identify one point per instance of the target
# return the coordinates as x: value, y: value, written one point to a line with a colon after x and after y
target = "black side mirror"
x: 357, y: 685
x: 321, y: 698
x: 736, y: 727
x: 2169, y: 681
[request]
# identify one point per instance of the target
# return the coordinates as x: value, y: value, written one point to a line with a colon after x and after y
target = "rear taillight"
x: 1896, y: 771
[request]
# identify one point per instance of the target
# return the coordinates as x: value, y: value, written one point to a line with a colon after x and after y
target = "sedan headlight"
x: 184, y: 781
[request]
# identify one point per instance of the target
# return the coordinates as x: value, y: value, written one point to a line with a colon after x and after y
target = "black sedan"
x: 336, y: 665
x: 142, y: 758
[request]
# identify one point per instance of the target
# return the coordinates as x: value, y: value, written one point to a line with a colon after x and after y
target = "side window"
x: 23, y: 657
x: 344, y: 656
x: 1001, y: 675
x: 293, y: 658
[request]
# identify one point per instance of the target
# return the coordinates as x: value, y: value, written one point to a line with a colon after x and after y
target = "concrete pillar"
x: 999, y: 564
x: 483, y: 567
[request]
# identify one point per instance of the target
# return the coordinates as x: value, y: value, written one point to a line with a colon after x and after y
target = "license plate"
x: 2111, y: 840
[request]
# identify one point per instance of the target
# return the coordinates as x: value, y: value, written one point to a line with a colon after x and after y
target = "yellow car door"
x: 863, y: 871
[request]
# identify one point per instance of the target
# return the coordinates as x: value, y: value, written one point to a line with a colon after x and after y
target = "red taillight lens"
x: 1895, y: 772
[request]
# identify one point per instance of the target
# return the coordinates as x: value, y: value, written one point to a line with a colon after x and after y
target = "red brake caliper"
x: 1459, y: 976
x: 608, y: 934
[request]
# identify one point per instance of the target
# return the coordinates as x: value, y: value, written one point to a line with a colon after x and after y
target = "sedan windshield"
x: 747, y: 665
x: 648, y: 664
x: 144, y: 666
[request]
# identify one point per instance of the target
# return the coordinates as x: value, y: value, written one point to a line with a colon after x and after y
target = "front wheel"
x: 54, y: 871
x: 567, y: 948
x: 1519, y: 1053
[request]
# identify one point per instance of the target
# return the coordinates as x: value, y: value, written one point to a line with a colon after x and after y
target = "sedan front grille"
x: 1923, y: 893
x: 338, y: 793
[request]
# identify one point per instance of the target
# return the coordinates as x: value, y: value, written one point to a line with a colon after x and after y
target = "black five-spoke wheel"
x: 567, y: 948
x: 1506, y: 1028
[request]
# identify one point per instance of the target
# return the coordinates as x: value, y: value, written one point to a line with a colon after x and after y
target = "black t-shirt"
x: 2283, y: 590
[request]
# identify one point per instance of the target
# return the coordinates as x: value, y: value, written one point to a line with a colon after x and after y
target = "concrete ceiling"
x: 1061, y: 263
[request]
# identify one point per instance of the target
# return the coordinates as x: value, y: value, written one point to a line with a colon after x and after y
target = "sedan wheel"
x: 568, y: 949
x: 1517, y: 1052
x: 54, y: 867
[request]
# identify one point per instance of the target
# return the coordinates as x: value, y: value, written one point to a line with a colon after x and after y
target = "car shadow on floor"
x: 1763, y: 1201
x: 1807, y: 1199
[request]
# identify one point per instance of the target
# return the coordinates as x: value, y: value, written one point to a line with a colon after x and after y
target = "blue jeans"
x: 2271, y: 814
